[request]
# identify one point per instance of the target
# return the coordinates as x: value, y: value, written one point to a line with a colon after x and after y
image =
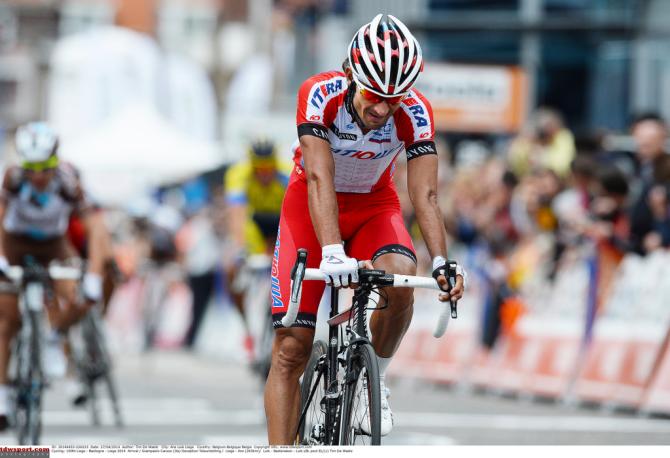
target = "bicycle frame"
x: 33, y: 284
x: 355, y: 335
x: 336, y: 345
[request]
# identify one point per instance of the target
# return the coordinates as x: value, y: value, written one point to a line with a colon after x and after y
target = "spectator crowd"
x: 546, y: 200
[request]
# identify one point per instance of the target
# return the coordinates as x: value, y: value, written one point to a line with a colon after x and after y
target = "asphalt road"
x: 179, y: 398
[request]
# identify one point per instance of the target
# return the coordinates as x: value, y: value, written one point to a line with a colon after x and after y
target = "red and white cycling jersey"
x: 363, y: 162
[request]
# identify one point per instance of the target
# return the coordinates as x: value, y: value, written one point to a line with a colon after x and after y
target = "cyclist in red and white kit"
x: 341, y: 204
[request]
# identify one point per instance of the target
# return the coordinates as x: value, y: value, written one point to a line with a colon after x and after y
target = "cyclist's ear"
x: 348, y: 73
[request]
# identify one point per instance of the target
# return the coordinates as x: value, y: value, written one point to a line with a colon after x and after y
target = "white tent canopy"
x: 134, y: 151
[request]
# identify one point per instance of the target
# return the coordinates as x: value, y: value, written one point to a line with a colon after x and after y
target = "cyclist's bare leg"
x: 290, y: 353
x: 237, y: 296
x: 110, y: 281
x: 10, y: 322
x: 388, y: 326
x: 69, y: 309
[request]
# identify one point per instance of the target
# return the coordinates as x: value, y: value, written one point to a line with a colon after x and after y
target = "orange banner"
x: 475, y: 98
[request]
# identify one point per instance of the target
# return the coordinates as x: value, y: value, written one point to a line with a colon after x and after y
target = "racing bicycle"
x: 34, y: 282
x: 340, y: 388
x: 94, y: 364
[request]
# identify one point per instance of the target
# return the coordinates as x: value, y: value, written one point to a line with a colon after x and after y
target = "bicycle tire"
x: 362, y: 363
x: 265, y: 347
x: 101, y: 365
x: 29, y: 384
x: 20, y: 413
x: 314, y: 414
x: 113, y: 396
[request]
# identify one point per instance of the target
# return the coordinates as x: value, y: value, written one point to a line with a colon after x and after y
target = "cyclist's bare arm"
x: 422, y: 188
x: 320, y: 170
x: 98, y: 240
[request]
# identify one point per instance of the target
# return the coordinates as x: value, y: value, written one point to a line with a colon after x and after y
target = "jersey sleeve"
x: 235, y: 184
x: 317, y: 103
x: 416, y: 128
x: 11, y: 184
x: 72, y: 189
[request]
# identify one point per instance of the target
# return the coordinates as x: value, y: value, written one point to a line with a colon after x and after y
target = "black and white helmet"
x: 36, y: 142
x: 384, y: 56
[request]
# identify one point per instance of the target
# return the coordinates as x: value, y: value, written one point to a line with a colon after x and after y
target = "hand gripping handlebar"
x: 300, y: 272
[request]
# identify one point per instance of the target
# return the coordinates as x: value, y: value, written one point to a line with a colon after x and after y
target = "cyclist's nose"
x: 381, y: 109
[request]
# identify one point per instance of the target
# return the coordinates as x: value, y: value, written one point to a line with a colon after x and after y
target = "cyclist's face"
x: 40, y: 179
x: 265, y: 173
x: 373, y: 109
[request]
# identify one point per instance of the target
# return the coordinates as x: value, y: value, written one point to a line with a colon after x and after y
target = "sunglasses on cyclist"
x: 41, y: 166
x: 376, y: 98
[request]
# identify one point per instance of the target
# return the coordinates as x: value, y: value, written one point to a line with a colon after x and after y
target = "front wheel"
x: 361, y: 410
x: 312, y: 426
x: 28, y: 415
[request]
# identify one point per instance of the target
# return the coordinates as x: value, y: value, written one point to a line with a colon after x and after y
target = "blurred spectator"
x: 610, y: 226
x: 650, y: 228
x: 609, y: 229
x: 572, y: 205
x: 201, y: 247
x: 544, y: 143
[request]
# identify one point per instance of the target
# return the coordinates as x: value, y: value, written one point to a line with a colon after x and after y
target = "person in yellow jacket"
x: 254, y: 191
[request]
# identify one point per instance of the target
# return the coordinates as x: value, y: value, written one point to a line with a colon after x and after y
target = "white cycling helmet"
x: 384, y: 56
x: 36, y: 142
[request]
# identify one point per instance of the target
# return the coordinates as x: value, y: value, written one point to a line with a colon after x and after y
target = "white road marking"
x: 200, y: 412
x: 162, y: 417
x: 533, y: 422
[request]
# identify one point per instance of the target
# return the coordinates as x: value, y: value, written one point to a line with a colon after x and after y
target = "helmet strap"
x: 349, y: 105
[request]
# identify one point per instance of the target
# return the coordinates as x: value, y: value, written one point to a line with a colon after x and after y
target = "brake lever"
x: 452, y: 282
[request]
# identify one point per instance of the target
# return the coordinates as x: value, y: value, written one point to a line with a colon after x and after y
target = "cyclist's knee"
x: 395, y: 263
x: 292, y: 350
x: 399, y: 298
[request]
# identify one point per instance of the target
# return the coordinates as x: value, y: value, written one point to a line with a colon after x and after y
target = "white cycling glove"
x: 339, y: 269
x: 92, y: 287
x: 440, y: 267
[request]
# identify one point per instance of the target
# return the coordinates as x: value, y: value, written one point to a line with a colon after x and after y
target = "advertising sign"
x: 475, y: 98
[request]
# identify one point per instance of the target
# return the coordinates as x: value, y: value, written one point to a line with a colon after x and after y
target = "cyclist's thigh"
x: 384, y: 238
x: 295, y: 231
x: 9, y: 304
x: 9, y: 311
x: 66, y: 290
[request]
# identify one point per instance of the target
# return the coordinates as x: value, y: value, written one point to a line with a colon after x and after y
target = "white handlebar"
x: 56, y: 272
x: 399, y: 281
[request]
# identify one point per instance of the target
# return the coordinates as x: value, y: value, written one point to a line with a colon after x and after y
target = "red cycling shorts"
x: 370, y: 224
